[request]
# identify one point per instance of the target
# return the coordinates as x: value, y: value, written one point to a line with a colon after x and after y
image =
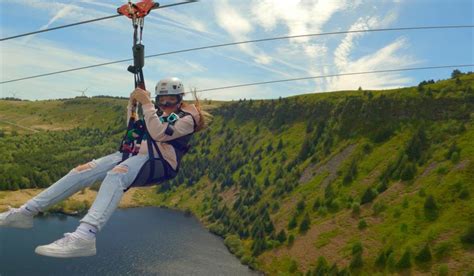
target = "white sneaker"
x: 70, y: 246
x: 14, y: 217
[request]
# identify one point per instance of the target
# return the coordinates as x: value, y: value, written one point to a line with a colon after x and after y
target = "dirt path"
x: 332, y: 166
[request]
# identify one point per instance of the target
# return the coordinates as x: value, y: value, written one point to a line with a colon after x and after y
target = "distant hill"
x: 352, y: 182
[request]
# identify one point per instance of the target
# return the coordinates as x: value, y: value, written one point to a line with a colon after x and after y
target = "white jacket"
x: 156, y: 129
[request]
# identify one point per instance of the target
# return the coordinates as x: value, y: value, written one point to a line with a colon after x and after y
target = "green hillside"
x: 353, y: 182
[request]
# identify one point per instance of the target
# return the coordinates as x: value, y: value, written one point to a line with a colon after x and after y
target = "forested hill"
x: 353, y: 182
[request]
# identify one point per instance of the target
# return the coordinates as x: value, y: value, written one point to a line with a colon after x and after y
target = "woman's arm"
x: 164, y: 131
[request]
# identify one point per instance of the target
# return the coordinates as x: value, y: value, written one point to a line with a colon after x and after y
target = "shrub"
x: 405, y: 202
x: 351, y: 173
x: 317, y: 203
x: 408, y: 172
x: 258, y: 246
x: 383, y: 185
x: 233, y: 243
x: 424, y: 255
x: 362, y: 224
x: 397, y: 213
x: 293, y: 222
x: 293, y: 266
x: 378, y: 208
x: 321, y: 266
x: 431, y: 209
x: 382, y: 258
x: 357, y: 248
x: 291, y: 239
x: 455, y: 157
x: 463, y: 193
x: 300, y: 206
x: 305, y: 224
x: 355, y: 209
x: 405, y: 260
x: 356, y: 262
x: 281, y: 237
x: 334, y: 270
x: 369, y: 195
x: 468, y: 237
x: 442, y: 250
x: 443, y: 270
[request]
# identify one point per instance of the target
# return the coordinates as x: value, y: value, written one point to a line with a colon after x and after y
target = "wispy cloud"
x: 388, y: 57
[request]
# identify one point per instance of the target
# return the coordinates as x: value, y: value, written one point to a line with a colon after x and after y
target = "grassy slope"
x: 332, y: 235
x: 399, y: 224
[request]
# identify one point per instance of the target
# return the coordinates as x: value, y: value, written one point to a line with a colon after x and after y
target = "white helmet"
x: 169, y: 86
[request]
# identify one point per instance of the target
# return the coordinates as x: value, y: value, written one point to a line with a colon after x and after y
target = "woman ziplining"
x: 168, y: 135
x: 150, y: 153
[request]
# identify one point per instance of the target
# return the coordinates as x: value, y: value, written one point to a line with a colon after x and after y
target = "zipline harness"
x: 136, y: 129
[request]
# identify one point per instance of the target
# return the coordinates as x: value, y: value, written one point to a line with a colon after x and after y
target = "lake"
x: 135, y: 241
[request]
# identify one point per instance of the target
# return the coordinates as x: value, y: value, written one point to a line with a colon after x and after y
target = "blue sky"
x: 219, y: 21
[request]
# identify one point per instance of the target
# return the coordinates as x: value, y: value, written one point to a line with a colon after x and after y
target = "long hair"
x: 205, y: 117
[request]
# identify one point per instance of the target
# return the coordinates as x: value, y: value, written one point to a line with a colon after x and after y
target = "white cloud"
x: 391, y: 56
x: 299, y: 17
x: 231, y: 21
x: 61, y: 13
x: 263, y: 59
x: 341, y: 54
x: 388, y: 57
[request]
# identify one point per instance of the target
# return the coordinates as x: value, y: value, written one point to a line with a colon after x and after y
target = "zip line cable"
x: 238, y: 43
x: 89, y: 21
x: 333, y: 75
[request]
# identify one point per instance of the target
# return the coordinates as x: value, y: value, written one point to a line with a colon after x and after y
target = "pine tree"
x: 281, y: 237
x: 431, y: 209
x: 305, y: 224
x: 424, y: 255
x: 362, y: 224
x: 468, y: 237
x: 369, y: 195
x: 280, y: 144
x: 321, y: 267
x: 405, y: 260
x: 300, y: 206
x: 293, y: 222
x: 408, y: 172
x: 356, y: 262
x: 456, y: 73
x: 291, y: 239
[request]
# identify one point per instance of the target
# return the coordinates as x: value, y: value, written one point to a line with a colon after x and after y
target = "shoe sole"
x: 49, y: 253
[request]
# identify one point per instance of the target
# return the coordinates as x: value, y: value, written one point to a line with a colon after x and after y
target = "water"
x: 137, y: 241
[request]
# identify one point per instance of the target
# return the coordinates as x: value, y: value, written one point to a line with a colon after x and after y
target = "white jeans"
x: 111, y: 190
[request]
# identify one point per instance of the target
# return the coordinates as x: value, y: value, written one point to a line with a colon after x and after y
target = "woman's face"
x: 168, y: 104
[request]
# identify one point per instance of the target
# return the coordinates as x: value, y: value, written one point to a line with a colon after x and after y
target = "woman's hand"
x: 141, y: 96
